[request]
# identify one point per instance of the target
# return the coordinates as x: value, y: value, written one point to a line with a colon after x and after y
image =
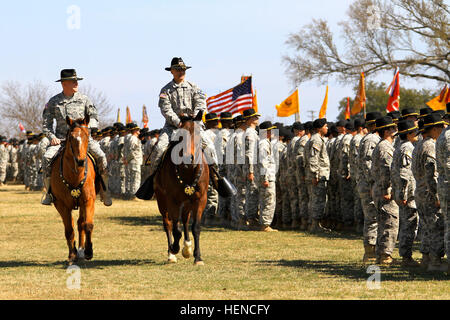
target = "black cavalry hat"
x: 238, y: 119
x: 384, y: 122
x: 132, y: 126
x: 406, y: 126
x: 425, y: 111
x: 177, y: 63
x: 371, y: 117
x: 298, y: 126
x: 350, y: 125
x: 226, y: 116
x: 408, y: 112
x: 319, y: 123
x: 250, y: 113
x: 395, y: 115
x: 68, y: 74
x: 211, y: 117
x: 432, y: 119
x: 267, y: 125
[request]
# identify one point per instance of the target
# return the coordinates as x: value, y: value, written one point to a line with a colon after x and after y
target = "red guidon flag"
x: 233, y: 100
x: 22, y: 128
x: 144, y: 117
x: 394, y: 93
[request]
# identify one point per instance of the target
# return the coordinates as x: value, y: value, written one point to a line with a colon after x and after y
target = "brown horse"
x: 73, y: 186
x: 181, y: 191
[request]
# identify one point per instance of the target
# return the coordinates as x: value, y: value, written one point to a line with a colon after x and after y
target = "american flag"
x: 394, y: 93
x: 234, y: 100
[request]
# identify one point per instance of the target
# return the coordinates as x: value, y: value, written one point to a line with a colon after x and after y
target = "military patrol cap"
x: 211, y: 117
x: 395, y: 115
x: 226, y: 116
x: 432, y: 119
x: 384, y: 122
x: 178, y: 64
x: 425, y: 111
x: 408, y: 112
x: 319, y: 123
x: 248, y: 113
x: 267, y: 125
x: 68, y: 74
x: 406, y: 126
x: 371, y: 117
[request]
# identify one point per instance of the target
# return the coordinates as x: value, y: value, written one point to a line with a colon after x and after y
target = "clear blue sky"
x: 122, y: 47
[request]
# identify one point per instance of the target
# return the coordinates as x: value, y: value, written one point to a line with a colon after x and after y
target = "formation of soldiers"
x: 385, y: 177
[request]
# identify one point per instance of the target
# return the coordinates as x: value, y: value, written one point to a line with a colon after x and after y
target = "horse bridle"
x: 76, y: 191
x: 189, y: 188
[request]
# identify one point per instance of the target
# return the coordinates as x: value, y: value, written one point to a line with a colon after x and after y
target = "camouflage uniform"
x: 40, y: 149
x: 354, y: 177
x: 212, y: 202
x: 284, y: 185
x: 26, y: 168
x: 174, y: 100
x: 133, y: 156
x: 403, y: 186
x: 334, y: 197
x: 278, y: 148
x: 299, y: 152
x: 267, y: 196
x: 75, y: 107
x: 31, y: 163
x: 366, y: 147
x: 292, y: 179
x: 13, y: 160
x: 114, y: 180
x: 251, y: 157
x: 4, y: 158
x: 240, y: 181
x: 443, y: 168
x: 122, y: 167
x: 318, y: 167
x: 387, y: 210
x: 346, y: 191
x: 224, y: 203
x: 427, y: 191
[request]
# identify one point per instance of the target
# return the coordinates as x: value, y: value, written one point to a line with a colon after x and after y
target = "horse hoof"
x: 187, y: 252
x: 199, y: 263
x: 172, y: 258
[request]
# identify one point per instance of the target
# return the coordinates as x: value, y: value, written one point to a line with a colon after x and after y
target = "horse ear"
x: 199, y: 116
x: 69, y: 121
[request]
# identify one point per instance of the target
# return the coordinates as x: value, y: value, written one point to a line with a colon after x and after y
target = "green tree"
x: 377, y: 98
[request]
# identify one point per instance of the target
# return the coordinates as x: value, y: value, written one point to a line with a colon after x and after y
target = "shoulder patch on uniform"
x: 163, y: 96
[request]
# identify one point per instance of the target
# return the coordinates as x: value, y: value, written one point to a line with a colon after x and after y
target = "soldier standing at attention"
x: 132, y: 158
x: 443, y: 168
x: 317, y: 174
x: 299, y: 130
x: 266, y: 175
x: 347, y: 193
x: 251, y: 157
x: 426, y: 171
x: 13, y: 159
x: 284, y: 179
x: 70, y: 103
x: 301, y: 182
x: 212, y: 202
x: 123, y: 133
x: 4, y: 158
x: 354, y: 174
x: 366, y: 147
x: 387, y: 209
x: 404, y: 185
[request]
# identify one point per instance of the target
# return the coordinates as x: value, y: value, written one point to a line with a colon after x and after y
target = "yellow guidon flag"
x: 323, y: 109
x: 440, y: 102
x: 289, y: 106
x: 360, y: 101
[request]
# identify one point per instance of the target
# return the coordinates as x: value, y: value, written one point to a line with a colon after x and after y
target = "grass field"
x: 130, y: 252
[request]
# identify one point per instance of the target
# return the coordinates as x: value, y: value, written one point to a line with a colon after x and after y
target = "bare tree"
x: 25, y: 104
x: 378, y: 35
x: 22, y: 104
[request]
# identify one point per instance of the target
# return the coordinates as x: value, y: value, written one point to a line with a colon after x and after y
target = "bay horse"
x: 73, y: 186
x: 181, y: 191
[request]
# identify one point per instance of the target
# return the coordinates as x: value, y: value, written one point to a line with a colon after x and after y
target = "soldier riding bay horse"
x: 181, y: 191
x: 73, y: 187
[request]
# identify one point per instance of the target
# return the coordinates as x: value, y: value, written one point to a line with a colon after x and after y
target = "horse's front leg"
x: 66, y: 215
x: 187, y: 248
x: 88, y: 227
x: 196, y: 226
x: 167, y: 223
x: 81, y: 232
